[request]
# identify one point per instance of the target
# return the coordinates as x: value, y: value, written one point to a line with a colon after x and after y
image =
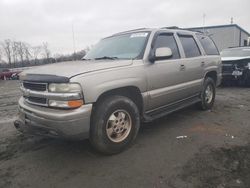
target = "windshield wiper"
x: 106, y: 57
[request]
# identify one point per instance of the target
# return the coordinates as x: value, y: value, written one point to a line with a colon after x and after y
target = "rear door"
x: 212, y: 55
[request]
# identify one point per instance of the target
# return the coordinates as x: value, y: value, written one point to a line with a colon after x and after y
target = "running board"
x: 163, y: 111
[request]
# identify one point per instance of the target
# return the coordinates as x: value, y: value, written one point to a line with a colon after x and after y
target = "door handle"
x: 182, y: 67
x: 203, y: 64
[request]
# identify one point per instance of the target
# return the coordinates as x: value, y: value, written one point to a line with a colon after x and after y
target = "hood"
x: 234, y: 58
x: 72, y: 68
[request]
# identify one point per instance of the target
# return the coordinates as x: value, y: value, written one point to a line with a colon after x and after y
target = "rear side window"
x: 167, y: 40
x: 190, y: 47
x: 208, y: 45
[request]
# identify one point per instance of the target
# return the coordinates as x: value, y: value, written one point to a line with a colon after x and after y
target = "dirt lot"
x: 214, y: 152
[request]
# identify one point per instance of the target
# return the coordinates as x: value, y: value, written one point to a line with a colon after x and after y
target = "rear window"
x: 189, y: 45
x: 208, y: 45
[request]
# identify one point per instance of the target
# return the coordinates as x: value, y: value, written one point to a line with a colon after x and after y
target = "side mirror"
x: 161, y: 53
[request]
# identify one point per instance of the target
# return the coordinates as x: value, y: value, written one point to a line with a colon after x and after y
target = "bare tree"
x: 14, y: 47
x: 46, y: 52
x: 27, y: 52
x: 7, y: 50
x: 21, y: 52
x: 36, y: 51
x: 1, y: 53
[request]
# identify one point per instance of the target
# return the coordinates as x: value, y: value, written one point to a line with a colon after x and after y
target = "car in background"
x: 15, y: 76
x: 8, y: 74
x: 236, y: 66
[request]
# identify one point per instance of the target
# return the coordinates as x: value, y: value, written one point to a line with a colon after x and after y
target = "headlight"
x: 248, y: 65
x: 65, y: 88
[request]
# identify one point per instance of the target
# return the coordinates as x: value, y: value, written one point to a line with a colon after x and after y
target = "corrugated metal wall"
x: 226, y: 37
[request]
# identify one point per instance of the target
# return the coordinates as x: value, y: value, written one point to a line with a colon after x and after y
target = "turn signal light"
x: 75, y: 103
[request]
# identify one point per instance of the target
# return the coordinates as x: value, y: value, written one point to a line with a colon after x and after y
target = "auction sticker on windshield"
x: 138, y: 35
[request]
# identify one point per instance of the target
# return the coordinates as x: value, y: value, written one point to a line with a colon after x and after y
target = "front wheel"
x: 207, y: 94
x: 115, y: 124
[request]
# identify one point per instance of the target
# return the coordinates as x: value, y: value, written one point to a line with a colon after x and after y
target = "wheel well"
x: 131, y: 92
x: 213, y: 75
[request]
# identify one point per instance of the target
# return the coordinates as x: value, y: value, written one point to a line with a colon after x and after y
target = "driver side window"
x: 167, y: 40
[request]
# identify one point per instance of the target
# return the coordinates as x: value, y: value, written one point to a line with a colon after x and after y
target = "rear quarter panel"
x: 213, y: 63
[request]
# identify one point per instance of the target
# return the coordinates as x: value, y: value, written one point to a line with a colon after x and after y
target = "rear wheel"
x: 115, y: 124
x: 207, y: 94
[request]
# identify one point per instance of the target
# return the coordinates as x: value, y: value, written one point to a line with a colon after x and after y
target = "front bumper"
x: 72, y: 124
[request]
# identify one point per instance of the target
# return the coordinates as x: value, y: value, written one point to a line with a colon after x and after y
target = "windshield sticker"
x: 138, y: 35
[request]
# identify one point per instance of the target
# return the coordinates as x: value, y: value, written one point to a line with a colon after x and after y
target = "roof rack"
x: 129, y: 31
x: 170, y: 27
x: 175, y: 27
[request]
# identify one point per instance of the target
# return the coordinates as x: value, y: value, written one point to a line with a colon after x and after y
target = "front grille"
x: 35, y: 86
x: 36, y: 100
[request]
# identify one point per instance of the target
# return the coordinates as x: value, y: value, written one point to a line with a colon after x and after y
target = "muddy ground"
x: 214, y: 152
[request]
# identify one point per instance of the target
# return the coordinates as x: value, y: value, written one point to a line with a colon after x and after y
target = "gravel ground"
x: 189, y: 148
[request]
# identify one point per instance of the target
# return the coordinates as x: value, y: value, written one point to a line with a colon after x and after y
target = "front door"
x: 164, y: 76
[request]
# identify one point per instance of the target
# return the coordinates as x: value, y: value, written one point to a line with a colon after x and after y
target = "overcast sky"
x: 37, y: 21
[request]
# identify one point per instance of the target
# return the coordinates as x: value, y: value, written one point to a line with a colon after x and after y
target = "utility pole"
x: 232, y: 20
x: 204, y: 19
x: 73, y: 38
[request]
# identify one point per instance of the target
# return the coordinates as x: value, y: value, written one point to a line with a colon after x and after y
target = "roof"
x: 221, y: 26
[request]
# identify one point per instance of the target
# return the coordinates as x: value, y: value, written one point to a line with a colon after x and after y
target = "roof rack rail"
x: 171, y: 27
x: 129, y: 31
x: 175, y: 27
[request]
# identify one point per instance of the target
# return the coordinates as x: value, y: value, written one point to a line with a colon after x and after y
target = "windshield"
x: 127, y: 46
x: 239, y: 52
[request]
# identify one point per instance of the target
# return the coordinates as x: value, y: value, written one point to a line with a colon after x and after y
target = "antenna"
x: 73, y: 37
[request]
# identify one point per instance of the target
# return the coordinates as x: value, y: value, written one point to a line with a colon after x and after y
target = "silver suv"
x: 128, y: 78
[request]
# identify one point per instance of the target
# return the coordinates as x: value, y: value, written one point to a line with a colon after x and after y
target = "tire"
x: 104, y: 129
x: 207, y: 102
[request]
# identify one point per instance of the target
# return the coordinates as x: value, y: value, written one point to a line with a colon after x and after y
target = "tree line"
x: 15, y: 54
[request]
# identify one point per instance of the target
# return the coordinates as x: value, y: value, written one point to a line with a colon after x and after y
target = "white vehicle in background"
x: 236, y: 66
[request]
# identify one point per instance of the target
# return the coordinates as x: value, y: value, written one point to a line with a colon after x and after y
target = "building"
x: 226, y: 36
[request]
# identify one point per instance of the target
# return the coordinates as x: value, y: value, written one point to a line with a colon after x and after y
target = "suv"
x: 127, y: 78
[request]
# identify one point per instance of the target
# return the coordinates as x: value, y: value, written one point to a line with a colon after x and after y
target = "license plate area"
x: 237, y: 73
